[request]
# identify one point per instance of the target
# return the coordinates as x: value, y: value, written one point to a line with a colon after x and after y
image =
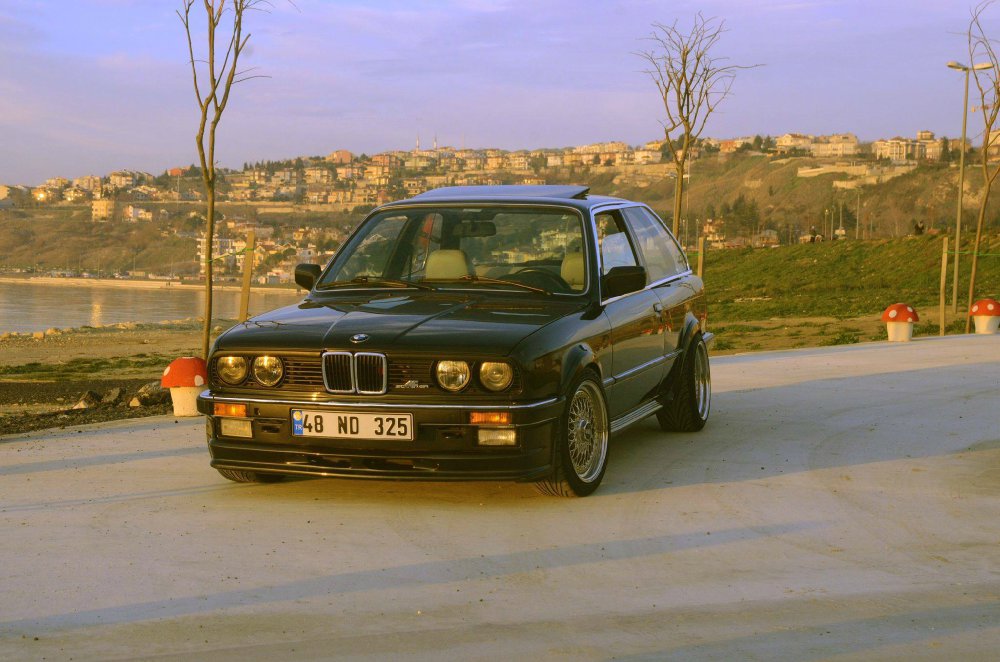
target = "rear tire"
x: 689, y: 408
x: 239, y: 476
x: 580, y: 457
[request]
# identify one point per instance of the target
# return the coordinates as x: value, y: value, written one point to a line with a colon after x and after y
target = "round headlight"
x: 496, y: 375
x: 452, y: 375
x: 268, y: 370
x: 231, y: 369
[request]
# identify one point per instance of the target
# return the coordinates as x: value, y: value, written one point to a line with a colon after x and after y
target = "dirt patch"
x: 42, y: 378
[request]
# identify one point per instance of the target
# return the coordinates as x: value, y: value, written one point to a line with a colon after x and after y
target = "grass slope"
x: 839, y: 279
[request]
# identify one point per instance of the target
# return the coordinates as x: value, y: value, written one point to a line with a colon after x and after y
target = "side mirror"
x: 623, y: 280
x: 306, y: 275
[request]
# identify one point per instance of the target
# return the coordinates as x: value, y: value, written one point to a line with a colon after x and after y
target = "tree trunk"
x: 206, y: 337
x: 678, y: 197
x: 975, y: 255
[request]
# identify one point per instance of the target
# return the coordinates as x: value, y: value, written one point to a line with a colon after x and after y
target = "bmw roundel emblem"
x: 359, y: 338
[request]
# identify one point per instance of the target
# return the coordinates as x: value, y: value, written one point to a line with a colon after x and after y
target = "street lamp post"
x: 961, y: 172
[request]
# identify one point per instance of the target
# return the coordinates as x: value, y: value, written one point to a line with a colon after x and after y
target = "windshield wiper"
x: 373, y: 280
x: 499, y: 281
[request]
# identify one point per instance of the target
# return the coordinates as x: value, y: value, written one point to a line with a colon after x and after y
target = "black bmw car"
x: 501, y: 332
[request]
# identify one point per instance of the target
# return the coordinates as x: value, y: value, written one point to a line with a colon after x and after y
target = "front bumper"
x: 445, y: 444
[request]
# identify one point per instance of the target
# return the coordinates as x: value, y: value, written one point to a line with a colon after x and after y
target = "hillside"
x: 839, y: 279
x: 791, y: 204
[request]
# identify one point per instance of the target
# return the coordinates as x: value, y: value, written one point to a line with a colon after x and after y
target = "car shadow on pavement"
x: 928, y: 627
x: 820, y: 424
x: 444, y: 571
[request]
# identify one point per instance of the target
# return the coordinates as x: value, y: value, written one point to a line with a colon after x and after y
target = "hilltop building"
x: 834, y: 145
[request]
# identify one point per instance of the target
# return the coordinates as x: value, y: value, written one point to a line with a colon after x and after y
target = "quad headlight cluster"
x: 266, y: 370
x: 455, y: 375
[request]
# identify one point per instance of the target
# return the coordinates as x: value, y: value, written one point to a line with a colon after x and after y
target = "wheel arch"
x: 692, y: 326
x: 579, y: 358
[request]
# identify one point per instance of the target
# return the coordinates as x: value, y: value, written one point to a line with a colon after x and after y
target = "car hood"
x: 461, y: 322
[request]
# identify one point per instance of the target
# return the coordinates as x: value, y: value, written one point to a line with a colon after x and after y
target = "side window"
x: 661, y: 253
x: 371, y: 256
x: 615, y: 248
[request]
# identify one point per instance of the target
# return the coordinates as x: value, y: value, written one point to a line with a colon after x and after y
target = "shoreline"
x: 116, y: 283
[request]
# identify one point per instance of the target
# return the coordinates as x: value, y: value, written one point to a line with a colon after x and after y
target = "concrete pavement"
x: 842, y: 503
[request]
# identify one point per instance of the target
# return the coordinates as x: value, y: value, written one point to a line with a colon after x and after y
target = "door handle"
x: 657, y: 307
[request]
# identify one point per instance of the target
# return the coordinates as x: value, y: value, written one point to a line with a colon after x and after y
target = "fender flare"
x: 578, y: 358
x: 691, y: 326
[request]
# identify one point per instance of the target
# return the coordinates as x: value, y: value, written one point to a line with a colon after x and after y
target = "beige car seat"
x: 447, y: 264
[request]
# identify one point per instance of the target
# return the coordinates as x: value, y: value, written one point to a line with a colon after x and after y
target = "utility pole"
x: 961, y: 171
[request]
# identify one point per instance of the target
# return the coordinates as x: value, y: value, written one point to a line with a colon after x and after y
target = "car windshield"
x: 511, y: 248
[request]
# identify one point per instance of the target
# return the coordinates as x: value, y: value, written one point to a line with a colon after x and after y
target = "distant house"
x: 91, y: 183
x: 133, y: 214
x: 835, y: 145
x: 102, y: 210
x: 644, y: 156
x: 340, y: 157
x: 897, y: 150
x: 730, y: 146
x: 793, y: 141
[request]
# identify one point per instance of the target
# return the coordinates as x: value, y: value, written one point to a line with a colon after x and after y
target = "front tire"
x: 580, y: 457
x: 688, y: 410
x: 238, y: 476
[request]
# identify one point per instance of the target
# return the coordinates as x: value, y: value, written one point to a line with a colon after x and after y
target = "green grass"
x: 85, y: 367
x: 837, y: 279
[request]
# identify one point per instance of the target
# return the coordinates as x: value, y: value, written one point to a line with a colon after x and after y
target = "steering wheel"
x: 554, y: 278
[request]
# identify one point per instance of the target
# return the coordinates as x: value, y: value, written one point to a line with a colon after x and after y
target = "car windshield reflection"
x: 511, y: 248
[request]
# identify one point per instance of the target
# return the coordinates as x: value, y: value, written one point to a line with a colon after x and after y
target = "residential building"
x: 835, y: 145
x: 897, y: 150
x: 76, y: 194
x: 730, y: 146
x: 931, y: 145
x: 133, y: 214
x: 646, y: 156
x: 91, y: 183
x: 102, y: 210
x: 122, y: 179
x: 793, y: 141
x: 340, y: 157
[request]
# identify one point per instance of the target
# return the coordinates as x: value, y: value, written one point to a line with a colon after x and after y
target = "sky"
x: 92, y: 86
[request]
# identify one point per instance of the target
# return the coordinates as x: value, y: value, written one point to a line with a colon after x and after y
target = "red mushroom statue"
x: 986, y: 313
x: 899, y: 319
x: 186, y: 377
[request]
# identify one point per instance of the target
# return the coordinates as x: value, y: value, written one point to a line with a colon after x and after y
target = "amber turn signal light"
x: 489, y: 418
x: 227, y: 409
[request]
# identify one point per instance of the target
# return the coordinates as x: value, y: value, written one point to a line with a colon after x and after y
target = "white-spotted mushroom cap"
x: 185, y: 371
x: 900, y: 312
x: 986, y: 308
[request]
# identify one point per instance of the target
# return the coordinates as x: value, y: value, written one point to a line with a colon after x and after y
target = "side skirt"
x: 635, y: 416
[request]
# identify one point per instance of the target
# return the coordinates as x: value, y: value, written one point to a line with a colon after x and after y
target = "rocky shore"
x: 63, y: 377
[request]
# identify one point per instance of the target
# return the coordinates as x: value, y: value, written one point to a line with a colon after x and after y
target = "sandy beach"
x: 135, y: 284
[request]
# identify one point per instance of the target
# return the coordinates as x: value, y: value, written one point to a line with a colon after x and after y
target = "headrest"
x: 572, y: 270
x: 446, y: 264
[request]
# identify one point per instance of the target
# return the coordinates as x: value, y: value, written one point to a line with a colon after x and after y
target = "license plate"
x: 351, y: 425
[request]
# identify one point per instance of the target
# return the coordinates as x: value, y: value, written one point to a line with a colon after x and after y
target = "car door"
x: 666, y: 266
x: 637, y: 366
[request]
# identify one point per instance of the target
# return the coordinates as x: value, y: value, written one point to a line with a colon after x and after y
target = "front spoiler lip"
x: 421, y: 475
x: 206, y: 397
x: 355, y: 464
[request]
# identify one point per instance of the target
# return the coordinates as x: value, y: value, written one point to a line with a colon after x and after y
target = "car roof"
x: 564, y: 195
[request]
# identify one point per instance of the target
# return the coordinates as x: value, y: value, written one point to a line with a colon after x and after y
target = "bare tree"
x: 214, y: 76
x: 988, y: 87
x: 692, y: 82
